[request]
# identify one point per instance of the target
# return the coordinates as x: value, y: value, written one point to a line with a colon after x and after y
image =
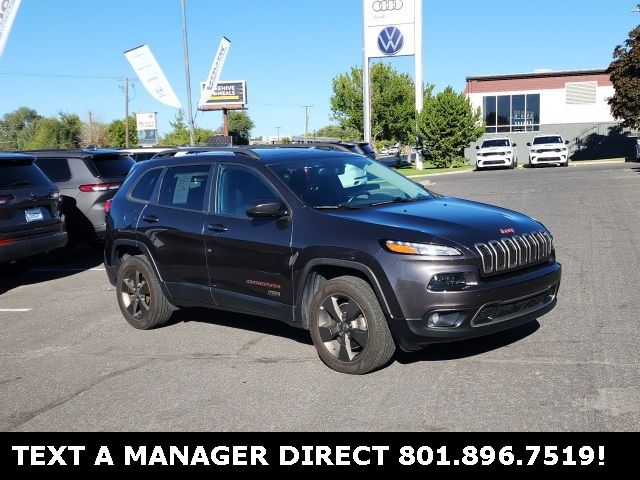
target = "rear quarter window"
x: 57, y: 169
x: 146, y: 185
x: 112, y: 166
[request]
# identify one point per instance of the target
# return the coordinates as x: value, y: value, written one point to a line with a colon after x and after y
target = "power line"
x: 46, y: 75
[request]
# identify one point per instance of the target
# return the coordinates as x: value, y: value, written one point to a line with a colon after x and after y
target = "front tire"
x: 142, y: 302
x: 349, y: 328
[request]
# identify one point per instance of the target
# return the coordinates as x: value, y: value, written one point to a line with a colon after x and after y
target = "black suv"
x: 30, y: 220
x: 86, y: 179
x: 286, y: 234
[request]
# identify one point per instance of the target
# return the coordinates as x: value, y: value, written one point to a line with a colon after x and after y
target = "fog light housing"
x: 448, y: 282
x: 444, y: 320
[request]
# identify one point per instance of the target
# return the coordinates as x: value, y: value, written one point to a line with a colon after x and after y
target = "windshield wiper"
x: 19, y: 184
x: 395, y: 200
x: 341, y: 206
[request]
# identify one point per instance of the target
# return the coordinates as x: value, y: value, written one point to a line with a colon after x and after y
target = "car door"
x: 172, y: 230
x: 249, y: 259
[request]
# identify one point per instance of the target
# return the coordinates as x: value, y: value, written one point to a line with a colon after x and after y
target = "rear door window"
x: 146, y: 185
x: 21, y: 174
x: 57, y: 169
x: 185, y: 187
x: 112, y: 166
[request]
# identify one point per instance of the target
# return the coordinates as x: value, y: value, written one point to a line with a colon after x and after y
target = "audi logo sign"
x: 387, y: 5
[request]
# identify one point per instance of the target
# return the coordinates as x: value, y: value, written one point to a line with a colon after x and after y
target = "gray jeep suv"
x: 86, y: 180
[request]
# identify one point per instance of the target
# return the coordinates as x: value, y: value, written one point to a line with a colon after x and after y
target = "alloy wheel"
x: 136, y: 295
x: 343, y: 327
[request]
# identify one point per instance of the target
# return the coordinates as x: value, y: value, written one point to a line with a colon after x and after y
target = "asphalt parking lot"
x: 70, y: 362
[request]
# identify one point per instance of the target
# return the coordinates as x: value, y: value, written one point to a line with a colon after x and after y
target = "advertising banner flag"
x: 8, y: 10
x: 150, y: 74
x: 216, y: 70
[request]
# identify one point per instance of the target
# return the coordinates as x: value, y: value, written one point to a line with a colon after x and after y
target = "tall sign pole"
x: 419, y: 74
x: 392, y: 28
x: 187, y: 74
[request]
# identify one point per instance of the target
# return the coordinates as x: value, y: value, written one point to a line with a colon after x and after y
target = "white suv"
x: 548, y: 149
x: 497, y: 152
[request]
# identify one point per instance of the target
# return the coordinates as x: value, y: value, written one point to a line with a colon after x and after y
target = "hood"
x: 495, y: 149
x: 461, y: 221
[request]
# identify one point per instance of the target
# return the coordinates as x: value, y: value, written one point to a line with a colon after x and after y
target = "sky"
x: 288, y: 51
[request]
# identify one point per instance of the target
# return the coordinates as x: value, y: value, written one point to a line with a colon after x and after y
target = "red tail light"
x: 4, y: 199
x: 7, y: 241
x: 99, y: 187
x: 107, y: 206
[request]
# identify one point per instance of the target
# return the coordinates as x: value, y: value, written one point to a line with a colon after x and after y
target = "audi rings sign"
x: 389, y: 28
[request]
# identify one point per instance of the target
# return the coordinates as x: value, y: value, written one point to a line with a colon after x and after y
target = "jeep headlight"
x: 426, y: 249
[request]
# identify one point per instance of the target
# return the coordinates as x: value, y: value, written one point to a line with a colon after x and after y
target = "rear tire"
x: 140, y: 296
x: 349, y: 328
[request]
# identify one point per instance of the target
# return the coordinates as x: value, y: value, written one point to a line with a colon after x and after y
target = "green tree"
x: 180, y: 136
x: 392, y: 103
x: 625, y: 76
x: 447, y: 124
x: 337, y: 131
x: 17, y: 128
x: 54, y: 133
x: 240, y: 126
x: 116, y: 133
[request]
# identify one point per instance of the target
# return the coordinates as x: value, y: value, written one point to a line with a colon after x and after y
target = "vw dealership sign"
x: 390, y: 40
x: 389, y: 28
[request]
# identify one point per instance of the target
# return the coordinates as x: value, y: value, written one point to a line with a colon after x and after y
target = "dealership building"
x: 570, y: 103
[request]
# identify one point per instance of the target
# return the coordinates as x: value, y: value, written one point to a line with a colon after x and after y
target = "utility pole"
x: 306, y: 121
x: 126, y: 112
x: 278, y: 130
x: 185, y: 44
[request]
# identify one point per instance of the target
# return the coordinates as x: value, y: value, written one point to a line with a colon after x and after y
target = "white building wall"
x: 554, y: 108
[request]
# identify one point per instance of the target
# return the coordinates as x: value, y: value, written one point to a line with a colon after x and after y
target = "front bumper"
x: 495, y: 161
x: 514, y: 302
x: 30, y: 246
x: 547, y: 158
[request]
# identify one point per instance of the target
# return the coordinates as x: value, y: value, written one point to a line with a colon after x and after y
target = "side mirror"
x: 528, y: 144
x: 478, y: 147
x: 266, y: 210
x: 566, y: 142
x: 514, y: 144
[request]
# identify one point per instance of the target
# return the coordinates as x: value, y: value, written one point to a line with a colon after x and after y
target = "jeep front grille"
x: 514, y: 253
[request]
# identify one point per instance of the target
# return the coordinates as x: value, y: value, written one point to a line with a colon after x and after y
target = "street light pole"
x: 278, y: 130
x: 185, y: 43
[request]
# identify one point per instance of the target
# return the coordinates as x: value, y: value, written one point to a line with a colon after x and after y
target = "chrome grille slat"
x: 514, y: 253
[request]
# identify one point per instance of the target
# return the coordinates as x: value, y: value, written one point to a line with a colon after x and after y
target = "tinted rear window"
x: 112, y: 166
x: 22, y: 174
x: 57, y: 169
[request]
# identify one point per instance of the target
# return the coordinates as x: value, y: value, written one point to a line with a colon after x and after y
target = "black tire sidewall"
x: 363, y: 295
x: 142, y: 265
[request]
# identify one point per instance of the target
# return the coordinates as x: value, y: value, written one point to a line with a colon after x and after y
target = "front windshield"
x: 543, y: 140
x: 495, y: 143
x: 347, y: 182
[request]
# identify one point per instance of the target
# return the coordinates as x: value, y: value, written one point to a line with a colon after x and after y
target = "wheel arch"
x: 319, y: 270
x: 124, y: 247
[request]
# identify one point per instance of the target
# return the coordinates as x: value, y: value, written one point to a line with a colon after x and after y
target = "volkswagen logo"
x: 390, y: 40
x: 387, y: 5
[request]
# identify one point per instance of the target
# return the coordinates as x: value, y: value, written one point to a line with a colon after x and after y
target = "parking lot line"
x: 14, y: 310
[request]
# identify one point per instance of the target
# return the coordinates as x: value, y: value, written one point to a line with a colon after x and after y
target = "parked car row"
x: 53, y: 199
x: 502, y: 152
